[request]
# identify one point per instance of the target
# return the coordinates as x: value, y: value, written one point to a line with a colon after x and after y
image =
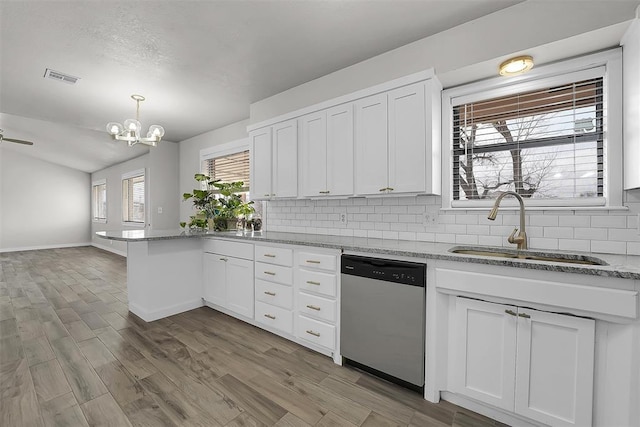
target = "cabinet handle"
x: 267, y: 195
x: 383, y: 189
x: 525, y: 315
x: 270, y: 316
x: 269, y: 255
x: 224, y: 259
x: 273, y: 294
x: 315, y: 334
x: 324, y: 192
x: 511, y: 312
x: 389, y: 188
x: 270, y: 273
x: 313, y: 261
x: 311, y: 282
x: 313, y: 307
x: 273, y: 194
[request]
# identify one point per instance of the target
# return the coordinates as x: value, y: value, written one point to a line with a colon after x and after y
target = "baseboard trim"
x: 39, y: 248
x: 150, y: 316
x: 109, y: 249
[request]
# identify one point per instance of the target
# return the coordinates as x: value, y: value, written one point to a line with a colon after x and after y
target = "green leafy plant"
x: 218, y: 201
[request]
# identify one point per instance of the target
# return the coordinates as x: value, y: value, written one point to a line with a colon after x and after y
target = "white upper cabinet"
x: 395, y: 147
x: 274, y: 157
x: 371, y: 145
x: 327, y: 152
x: 261, y: 163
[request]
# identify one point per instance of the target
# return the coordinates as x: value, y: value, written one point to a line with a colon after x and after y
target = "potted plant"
x: 219, y: 204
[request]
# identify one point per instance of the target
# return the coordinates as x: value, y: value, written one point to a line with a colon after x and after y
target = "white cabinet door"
x: 239, y: 286
x: 407, y: 139
x: 485, y: 352
x: 313, y: 147
x: 285, y: 159
x: 371, y: 145
x: 215, y: 279
x: 261, y: 164
x: 339, y: 150
x: 554, y: 374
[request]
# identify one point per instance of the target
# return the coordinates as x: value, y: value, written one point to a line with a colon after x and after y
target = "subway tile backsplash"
x: 420, y: 218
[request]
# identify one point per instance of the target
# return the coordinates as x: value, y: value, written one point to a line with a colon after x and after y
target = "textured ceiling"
x: 199, y: 63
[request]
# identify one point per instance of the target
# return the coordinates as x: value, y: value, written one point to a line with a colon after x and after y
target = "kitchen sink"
x: 567, y: 258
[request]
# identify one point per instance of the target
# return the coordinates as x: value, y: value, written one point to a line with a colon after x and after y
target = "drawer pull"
x: 315, y: 334
x: 525, y: 315
x: 270, y: 316
x: 273, y: 294
x: 270, y: 273
x: 311, y: 282
x: 324, y: 192
x: 313, y: 307
x: 269, y: 255
x: 267, y: 195
x: 313, y: 261
x: 511, y: 312
x: 224, y: 259
x: 383, y: 189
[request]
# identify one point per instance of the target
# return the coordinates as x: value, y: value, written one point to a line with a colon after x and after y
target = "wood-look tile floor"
x: 72, y: 355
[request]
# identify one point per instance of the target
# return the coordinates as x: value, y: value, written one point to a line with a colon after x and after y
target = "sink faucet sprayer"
x: 521, y: 238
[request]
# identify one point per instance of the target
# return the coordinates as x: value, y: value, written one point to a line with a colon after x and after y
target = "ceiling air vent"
x: 61, y: 77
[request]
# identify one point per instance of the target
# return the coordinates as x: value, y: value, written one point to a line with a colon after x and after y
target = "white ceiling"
x: 199, y: 63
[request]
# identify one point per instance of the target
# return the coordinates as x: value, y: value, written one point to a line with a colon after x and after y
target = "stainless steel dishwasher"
x: 382, y: 311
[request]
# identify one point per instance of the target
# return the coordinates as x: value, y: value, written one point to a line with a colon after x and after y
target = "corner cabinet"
x: 533, y: 363
x: 228, y: 276
x: 396, y: 141
x: 274, y: 161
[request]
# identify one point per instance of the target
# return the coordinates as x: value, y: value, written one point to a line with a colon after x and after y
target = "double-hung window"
x: 544, y: 138
x: 133, y: 197
x: 99, y: 201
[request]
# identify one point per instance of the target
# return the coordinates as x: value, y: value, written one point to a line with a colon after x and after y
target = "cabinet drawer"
x: 279, y: 256
x: 319, y: 261
x: 315, y: 306
x: 317, y: 332
x: 224, y: 247
x: 274, y: 293
x: 276, y: 317
x: 315, y: 281
x: 274, y: 273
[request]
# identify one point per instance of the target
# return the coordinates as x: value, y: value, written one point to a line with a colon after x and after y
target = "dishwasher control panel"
x: 404, y: 272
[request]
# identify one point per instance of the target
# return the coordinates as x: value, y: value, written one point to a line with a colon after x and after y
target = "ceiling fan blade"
x: 18, y: 141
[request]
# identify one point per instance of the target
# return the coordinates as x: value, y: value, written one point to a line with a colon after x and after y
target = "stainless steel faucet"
x: 521, y: 238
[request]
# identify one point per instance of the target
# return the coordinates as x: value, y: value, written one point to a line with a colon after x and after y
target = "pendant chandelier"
x: 130, y: 130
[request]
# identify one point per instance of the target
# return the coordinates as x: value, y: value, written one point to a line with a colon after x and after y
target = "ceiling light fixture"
x: 130, y: 131
x: 517, y: 65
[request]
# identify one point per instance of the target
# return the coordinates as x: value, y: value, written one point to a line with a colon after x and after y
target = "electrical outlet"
x: 429, y: 219
x: 343, y: 217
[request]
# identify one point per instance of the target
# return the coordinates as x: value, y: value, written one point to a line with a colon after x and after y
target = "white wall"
x: 43, y: 205
x: 190, y: 157
x: 163, y: 186
x: 490, y: 38
x: 113, y: 176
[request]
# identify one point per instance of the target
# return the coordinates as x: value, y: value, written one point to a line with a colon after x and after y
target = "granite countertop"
x: 620, y: 266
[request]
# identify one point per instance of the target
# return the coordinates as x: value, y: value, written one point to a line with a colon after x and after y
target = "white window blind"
x: 133, y: 199
x: 99, y: 201
x: 229, y: 168
x: 543, y: 144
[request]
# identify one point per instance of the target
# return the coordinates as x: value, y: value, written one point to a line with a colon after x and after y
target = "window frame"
x: 134, y: 174
x: 608, y: 64
x: 94, y: 184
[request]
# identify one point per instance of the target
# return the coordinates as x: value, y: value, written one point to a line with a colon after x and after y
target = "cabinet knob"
x: 270, y: 316
x: 313, y: 307
x: 315, y: 334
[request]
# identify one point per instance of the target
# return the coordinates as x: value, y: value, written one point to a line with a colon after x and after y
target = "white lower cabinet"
x: 228, y: 280
x: 536, y: 364
x: 274, y: 292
